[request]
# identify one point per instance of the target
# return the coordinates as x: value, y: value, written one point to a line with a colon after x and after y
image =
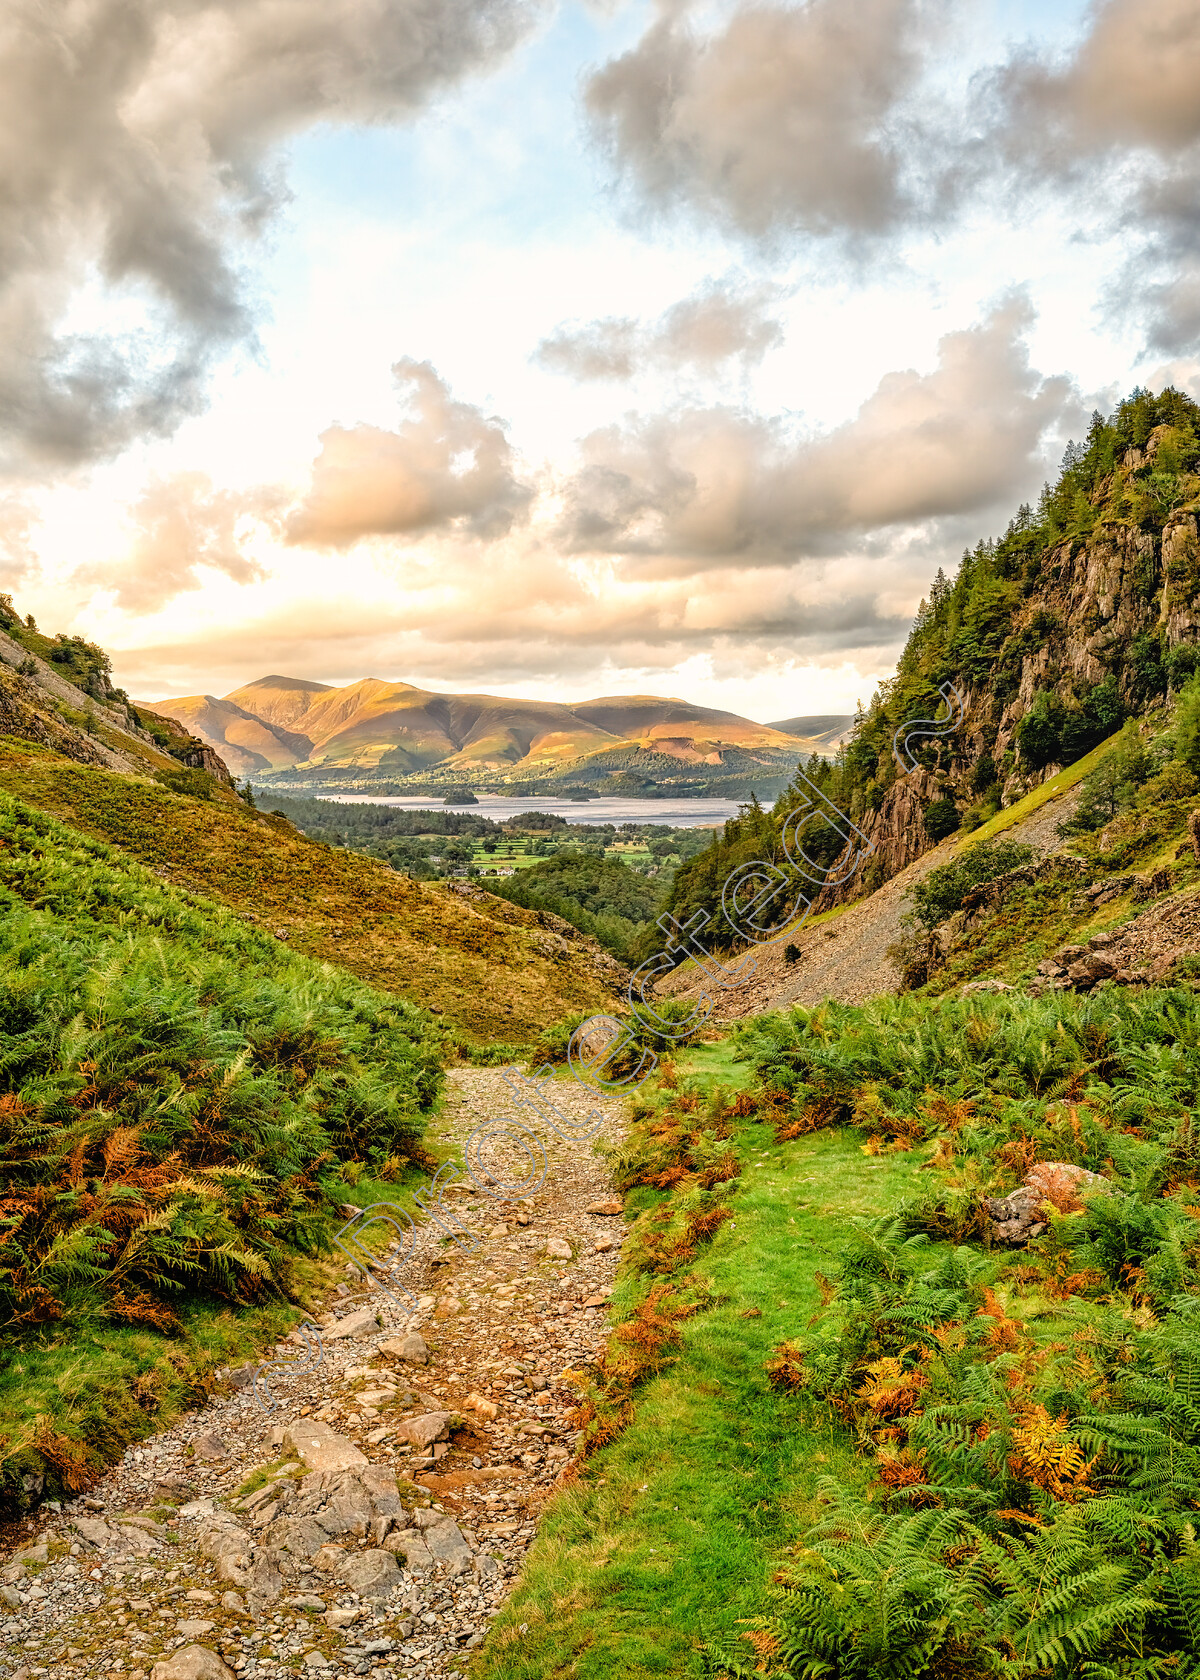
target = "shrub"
x: 942, y: 891
x: 941, y: 819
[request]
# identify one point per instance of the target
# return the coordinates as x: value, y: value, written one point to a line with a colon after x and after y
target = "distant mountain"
x: 393, y: 730
x: 822, y: 734
x: 248, y: 744
x: 280, y: 700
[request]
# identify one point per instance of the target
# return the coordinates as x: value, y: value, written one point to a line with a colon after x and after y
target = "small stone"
x: 604, y: 1244
x: 558, y: 1248
x: 193, y: 1627
x: 498, y: 1231
x: 209, y: 1447
x: 233, y: 1602
x: 315, y: 1659
x: 606, y: 1209
x: 447, y: 1307
x: 339, y: 1618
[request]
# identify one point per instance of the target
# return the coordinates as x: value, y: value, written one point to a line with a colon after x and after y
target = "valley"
x: 862, y: 1341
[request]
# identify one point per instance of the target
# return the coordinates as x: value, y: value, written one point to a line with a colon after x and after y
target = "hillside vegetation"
x: 491, y: 969
x: 184, y: 1099
x: 837, y: 1434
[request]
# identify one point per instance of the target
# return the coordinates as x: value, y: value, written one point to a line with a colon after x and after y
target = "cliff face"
x: 1081, y: 616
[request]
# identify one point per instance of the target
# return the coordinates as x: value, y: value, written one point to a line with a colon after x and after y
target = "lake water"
x: 675, y: 813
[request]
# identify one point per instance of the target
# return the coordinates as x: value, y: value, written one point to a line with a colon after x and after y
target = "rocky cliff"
x: 1083, y: 614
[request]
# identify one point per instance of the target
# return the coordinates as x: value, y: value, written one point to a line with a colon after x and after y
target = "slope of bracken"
x: 490, y: 968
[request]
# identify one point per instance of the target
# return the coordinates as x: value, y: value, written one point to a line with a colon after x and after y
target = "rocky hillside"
x: 56, y: 691
x: 1082, y: 615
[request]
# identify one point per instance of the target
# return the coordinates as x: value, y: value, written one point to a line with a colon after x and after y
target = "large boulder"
x: 322, y: 1510
x: 194, y: 1662
x: 411, y: 1347
x: 421, y: 1431
x: 320, y: 1448
x: 1021, y: 1215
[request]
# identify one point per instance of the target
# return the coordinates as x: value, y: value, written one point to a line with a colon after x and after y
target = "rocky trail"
x: 373, y: 1522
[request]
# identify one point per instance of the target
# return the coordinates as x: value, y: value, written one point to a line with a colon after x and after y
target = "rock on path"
x: 375, y: 1521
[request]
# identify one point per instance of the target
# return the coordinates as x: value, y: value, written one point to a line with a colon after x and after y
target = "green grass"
x: 186, y: 1104
x: 670, y: 1537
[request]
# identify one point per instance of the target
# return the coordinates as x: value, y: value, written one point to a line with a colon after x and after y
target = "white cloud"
x: 445, y: 464
x: 720, y: 323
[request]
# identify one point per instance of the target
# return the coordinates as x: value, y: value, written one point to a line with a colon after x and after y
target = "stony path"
x: 393, y: 1490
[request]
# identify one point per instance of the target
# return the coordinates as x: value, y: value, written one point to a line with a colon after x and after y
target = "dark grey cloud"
x: 138, y: 153
x: 725, y: 321
x: 446, y: 464
x: 781, y: 119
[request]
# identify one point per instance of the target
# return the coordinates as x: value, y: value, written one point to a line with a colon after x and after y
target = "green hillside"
x: 185, y: 1102
x: 489, y: 968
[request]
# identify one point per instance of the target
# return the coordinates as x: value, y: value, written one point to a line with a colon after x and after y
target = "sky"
x: 566, y: 350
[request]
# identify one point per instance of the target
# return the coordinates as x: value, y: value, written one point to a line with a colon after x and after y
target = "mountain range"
x: 395, y: 730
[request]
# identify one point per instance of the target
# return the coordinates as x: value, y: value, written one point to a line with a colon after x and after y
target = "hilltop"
x: 394, y: 736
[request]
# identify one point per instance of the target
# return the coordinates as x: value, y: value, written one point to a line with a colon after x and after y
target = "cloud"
x: 705, y: 484
x: 785, y: 118
x: 446, y: 464
x: 180, y: 526
x: 1120, y: 116
x: 723, y: 322
x: 698, y: 531
x: 138, y: 155
x: 1133, y: 81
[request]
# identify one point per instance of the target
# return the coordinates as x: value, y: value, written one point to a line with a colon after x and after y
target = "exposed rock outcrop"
x: 1020, y: 1216
x: 1143, y: 952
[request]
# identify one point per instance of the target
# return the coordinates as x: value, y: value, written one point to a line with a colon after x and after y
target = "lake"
x: 674, y: 813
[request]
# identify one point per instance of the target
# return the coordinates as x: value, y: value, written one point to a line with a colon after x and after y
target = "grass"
x: 487, y: 966
x: 667, y: 1547
x: 670, y: 1536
